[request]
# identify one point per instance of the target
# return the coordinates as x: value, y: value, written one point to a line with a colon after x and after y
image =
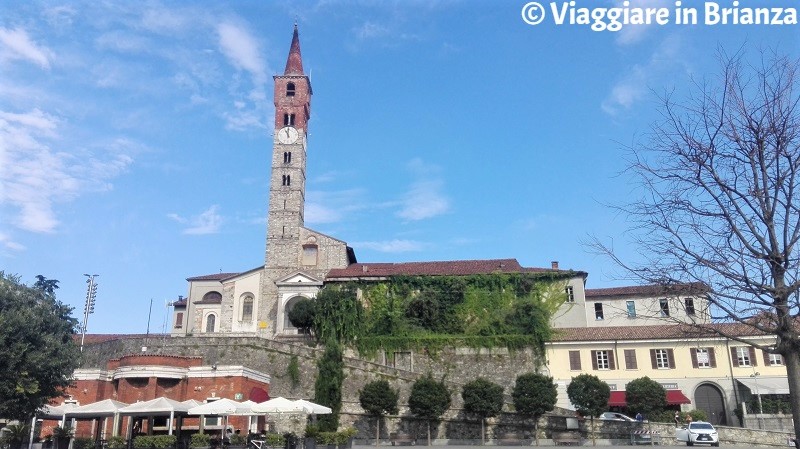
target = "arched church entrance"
x: 287, y: 325
x: 708, y: 397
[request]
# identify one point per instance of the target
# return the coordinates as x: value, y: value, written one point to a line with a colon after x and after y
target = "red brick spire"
x: 294, y: 63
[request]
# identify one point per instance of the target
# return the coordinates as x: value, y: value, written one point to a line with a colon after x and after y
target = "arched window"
x: 247, y: 307
x: 288, y: 119
x: 287, y: 180
x: 211, y: 322
x: 212, y: 297
x: 287, y: 157
x: 290, y: 89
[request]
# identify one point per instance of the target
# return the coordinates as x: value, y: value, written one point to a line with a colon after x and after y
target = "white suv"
x: 697, y: 432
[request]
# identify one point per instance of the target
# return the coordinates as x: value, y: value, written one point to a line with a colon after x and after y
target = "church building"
x: 299, y: 261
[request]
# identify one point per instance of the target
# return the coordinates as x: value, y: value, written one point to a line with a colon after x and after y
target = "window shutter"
x: 766, y: 358
x: 594, y: 360
x: 734, y: 358
x: 575, y: 360
x: 653, y: 358
x: 693, y: 353
x: 753, y: 359
x: 630, y: 359
x: 712, y: 359
x: 671, y: 358
x: 611, y: 364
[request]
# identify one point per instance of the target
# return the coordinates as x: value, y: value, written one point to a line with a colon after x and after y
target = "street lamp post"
x: 88, y: 308
x: 758, y: 395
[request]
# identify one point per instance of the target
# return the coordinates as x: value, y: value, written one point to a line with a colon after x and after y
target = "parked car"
x: 614, y: 416
x: 698, y: 432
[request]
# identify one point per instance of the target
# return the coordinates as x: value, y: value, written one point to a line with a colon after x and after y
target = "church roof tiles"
x: 692, y: 288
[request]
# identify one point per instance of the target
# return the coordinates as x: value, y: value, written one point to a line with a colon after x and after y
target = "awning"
x: 617, y: 399
x: 674, y: 397
x: 766, y: 385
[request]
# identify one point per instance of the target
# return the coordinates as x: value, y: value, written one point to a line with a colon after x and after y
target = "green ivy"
x: 431, y: 312
x: 293, y: 371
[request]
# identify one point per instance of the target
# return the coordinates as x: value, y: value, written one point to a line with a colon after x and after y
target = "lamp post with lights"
x: 88, y: 308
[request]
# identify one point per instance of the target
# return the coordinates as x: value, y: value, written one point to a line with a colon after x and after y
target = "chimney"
x: 365, y: 268
x: 554, y: 265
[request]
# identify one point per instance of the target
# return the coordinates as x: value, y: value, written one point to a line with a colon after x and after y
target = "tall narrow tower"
x: 288, y: 180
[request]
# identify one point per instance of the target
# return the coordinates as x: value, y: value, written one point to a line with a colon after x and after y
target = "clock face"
x: 287, y: 134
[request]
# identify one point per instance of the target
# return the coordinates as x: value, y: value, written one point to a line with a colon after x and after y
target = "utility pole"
x: 88, y: 308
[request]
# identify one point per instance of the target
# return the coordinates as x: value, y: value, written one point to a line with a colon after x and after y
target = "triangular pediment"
x: 298, y: 277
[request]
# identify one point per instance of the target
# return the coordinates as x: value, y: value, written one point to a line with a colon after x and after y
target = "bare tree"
x: 720, y: 186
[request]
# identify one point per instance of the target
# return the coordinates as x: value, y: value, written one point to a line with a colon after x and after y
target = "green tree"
x: 338, y: 315
x: 302, y: 315
x: 429, y: 399
x: 378, y: 398
x: 534, y: 395
x: 484, y: 399
x: 719, y: 202
x: 589, y: 395
x: 48, y: 286
x: 328, y: 386
x: 37, y: 352
x: 645, y: 396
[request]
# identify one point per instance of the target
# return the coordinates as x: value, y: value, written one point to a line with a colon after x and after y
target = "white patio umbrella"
x: 50, y: 412
x: 157, y: 407
x: 107, y: 408
x: 279, y: 405
x: 313, y: 408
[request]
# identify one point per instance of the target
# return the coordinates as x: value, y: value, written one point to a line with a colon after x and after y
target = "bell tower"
x: 287, y: 187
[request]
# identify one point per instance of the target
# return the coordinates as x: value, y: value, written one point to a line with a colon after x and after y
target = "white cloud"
x: 332, y: 206
x: 425, y: 198
x: 317, y: 214
x: 371, y: 30
x: 633, y: 86
x: 36, y: 177
x: 16, y: 44
x: 207, y: 222
x: 242, y: 50
x: 391, y: 246
x: 7, y: 243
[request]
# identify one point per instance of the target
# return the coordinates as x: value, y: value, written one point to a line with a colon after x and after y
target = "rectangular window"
x: 178, y: 320
x: 598, y: 311
x: 630, y: 359
x: 689, y: 303
x: 631, y: 306
x: 602, y: 359
x: 664, y: 305
x: 574, y: 360
x: 703, y: 360
x: 662, y: 358
x: 742, y: 356
x: 570, y: 294
x: 775, y: 360
x: 309, y: 254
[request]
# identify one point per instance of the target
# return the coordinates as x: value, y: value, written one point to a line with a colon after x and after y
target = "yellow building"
x: 699, y: 370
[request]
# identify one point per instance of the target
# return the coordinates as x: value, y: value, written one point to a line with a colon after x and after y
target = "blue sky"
x: 135, y: 136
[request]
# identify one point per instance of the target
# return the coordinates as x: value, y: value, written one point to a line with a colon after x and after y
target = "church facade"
x: 299, y: 261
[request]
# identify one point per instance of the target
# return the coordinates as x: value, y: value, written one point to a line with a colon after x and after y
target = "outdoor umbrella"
x: 157, y: 407
x: 313, y: 408
x: 101, y: 409
x: 279, y: 405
